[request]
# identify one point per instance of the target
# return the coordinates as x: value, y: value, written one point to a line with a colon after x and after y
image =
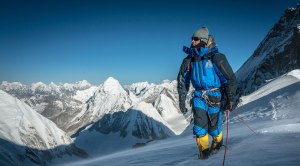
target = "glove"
x: 183, y: 109
x: 230, y: 102
x: 230, y: 106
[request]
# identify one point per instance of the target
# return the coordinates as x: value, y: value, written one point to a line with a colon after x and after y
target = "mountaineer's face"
x: 195, y: 41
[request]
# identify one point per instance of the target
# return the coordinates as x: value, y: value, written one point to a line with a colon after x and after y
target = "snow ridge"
x: 29, y: 133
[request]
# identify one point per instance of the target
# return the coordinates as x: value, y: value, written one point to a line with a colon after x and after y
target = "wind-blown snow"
x: 286, y: 80
x: 272, y: 112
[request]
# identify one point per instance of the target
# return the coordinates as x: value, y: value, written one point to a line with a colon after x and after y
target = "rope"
x: 227, y: 122
x: 226, y: 143
x: 242, y: 120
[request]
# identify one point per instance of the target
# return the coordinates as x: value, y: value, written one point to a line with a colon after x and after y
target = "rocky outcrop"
x: 276, y: 55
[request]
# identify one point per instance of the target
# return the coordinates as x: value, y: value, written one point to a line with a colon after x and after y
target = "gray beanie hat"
x: 202, y: 33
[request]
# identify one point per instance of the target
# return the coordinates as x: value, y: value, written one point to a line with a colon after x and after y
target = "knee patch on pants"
x: 200, y: 122
x: 215, y: 128
x: 200, y: 117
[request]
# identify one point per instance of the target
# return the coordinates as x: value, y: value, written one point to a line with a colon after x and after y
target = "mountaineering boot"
x: 203, y: 143
x: 216, y: 143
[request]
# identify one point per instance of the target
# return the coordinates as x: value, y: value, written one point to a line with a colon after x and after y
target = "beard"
x: 198, y: 46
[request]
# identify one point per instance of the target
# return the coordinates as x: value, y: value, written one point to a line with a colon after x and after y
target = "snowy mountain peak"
x: 112, y: 86
x: 5, y: 83
x: 84, y: 84
x: 54, y: 87
x: 7, y: 86
x: 111, y: 80
x: 39, y: 86
x: 80, y: 85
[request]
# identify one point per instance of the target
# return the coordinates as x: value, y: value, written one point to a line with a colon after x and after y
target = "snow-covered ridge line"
x: 295, y: 73
x: 42, y: 87
x: 276, y: 84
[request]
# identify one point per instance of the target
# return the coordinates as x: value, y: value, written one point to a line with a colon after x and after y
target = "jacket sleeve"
x: 183, y: 83
x: 221, y: 62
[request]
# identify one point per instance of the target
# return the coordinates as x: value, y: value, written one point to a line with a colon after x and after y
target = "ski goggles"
x: 195, y: 38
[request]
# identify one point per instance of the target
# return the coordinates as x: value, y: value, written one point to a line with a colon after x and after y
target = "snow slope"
x: 272, y: 112
x: 25, y: 134
x: 18, y: 118
x: 286, y: 80
x: 123, y: 130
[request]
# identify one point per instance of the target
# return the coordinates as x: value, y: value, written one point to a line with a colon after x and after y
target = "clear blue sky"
x: 132, y: 41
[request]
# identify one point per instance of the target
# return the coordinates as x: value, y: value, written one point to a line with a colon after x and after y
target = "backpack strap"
x: 210, y: 54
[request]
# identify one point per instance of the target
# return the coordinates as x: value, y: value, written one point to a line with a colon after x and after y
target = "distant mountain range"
x: 72, y: 106
x: 141, y: 112
x: 59, y: 103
